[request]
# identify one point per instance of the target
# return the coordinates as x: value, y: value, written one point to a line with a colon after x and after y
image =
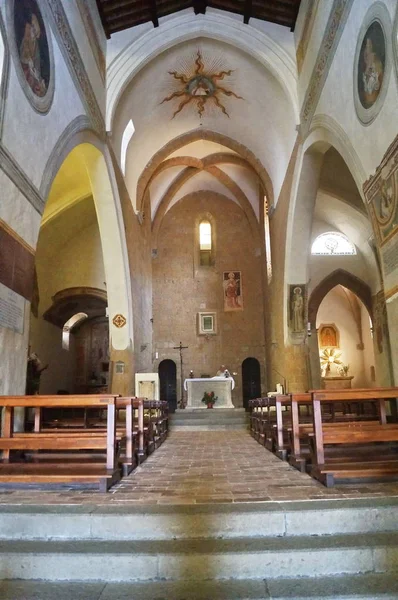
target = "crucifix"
x: 181, y: 348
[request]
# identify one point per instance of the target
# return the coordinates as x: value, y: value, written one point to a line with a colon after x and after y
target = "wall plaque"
x: 12, y: 309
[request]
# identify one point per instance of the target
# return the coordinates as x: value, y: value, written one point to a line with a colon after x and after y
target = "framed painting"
x: 32, y: 51
x: 372, y: 63
x: 207, y: 324
x: 328, y: 336
x: 232, y: 288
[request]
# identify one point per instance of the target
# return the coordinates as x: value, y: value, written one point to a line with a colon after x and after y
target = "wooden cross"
x: 181, y: 348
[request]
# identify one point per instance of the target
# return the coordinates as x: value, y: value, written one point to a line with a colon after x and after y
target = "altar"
x: 221, y: 386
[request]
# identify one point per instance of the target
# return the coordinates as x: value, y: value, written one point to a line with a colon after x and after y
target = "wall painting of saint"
x: 371, y: 64
x: 232, y: 286
x: 32, y: 43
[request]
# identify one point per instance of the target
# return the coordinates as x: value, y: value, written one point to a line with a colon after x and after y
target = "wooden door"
x: 168, y: 383
x: 251, y: 380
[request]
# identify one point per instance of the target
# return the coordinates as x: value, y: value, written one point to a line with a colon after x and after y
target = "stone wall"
x: 182, y: 289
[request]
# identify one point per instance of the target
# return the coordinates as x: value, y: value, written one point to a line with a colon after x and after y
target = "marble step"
x: 199, y: 560
x: 377, y: 586
x: 207, y: 521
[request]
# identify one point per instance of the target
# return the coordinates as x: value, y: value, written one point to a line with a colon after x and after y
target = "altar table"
x: 221, y: 386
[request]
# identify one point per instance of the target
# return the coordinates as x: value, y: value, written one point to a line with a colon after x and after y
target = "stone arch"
x: 185, y: 27
x: 338, y: 277
x: 189, y: 138
x: 324, y: 133
x: 324, y: 129
x: 95, y: 154
x: 200, y: 163
x: 224, y: 179
x: 4, y: 71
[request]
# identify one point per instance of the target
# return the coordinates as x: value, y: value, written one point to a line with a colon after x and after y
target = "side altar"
x: 221, y: 386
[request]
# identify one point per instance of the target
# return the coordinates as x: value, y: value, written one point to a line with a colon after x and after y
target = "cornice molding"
x: 333, y: 32
x: 90, y: 26
x: 75, y: 63
x: 5, y: 73
x: 14, y: 172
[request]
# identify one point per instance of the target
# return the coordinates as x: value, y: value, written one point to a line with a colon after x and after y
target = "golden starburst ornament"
x: 198, y: 85
x: 329, y: 357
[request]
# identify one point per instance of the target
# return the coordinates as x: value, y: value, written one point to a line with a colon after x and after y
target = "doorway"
x: 168, y: 383
x: 251, y: 380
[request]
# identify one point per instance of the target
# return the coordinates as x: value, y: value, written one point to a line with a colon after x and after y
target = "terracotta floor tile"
x: 181, y: 472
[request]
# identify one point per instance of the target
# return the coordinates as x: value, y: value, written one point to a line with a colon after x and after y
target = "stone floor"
x: 202, y: 468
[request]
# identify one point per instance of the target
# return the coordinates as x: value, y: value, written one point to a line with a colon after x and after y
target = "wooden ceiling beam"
x: 199, y: 7
x: 117, y: 15
x: 247, y: 12
x: 154, y: 13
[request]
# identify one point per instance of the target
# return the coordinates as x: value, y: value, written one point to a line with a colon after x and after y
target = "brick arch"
x: 187, y: 174
x: 200, y: 163
x: 194, y: 136
x: 338, y: 277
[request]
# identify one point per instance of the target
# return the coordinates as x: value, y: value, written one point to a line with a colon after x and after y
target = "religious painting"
x: 380, y: 320
x: 297, y: 299
x: 197, y: 85
x: 382, y: 197
x: 32, y: 53
x: 372, y: 63
x: 328, y: 336
x: 232, y: 287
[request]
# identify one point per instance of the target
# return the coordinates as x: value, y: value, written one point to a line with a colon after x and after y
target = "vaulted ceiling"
x: 118, y: 15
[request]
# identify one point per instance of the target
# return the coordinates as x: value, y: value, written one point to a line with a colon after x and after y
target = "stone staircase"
x: 209, y: 419
x: 336, y: 549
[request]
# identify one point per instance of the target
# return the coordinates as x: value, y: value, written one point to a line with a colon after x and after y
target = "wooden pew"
x: 349, y: 466
x: 59, y: 470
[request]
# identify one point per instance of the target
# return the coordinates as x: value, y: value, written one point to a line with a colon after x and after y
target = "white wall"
x: 335, y: 309
x: 337, y: 98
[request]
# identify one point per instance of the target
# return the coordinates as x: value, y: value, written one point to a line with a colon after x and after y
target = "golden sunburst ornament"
x: 199, y: 85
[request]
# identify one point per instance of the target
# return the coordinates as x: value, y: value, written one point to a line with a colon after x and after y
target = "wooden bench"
x: 58, y: 466
x: 373, y: 436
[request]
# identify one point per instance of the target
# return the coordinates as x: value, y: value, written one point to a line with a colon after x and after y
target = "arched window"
x: 69, y: 325
x: 332, y: 243
x: 205, y: 244
x: 127, y: 135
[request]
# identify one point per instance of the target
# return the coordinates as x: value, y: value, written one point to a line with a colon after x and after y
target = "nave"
x: 205, y: 467
x: 210, y: 515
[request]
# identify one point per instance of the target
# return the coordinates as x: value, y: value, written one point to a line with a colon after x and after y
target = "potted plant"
x: 209, y: 399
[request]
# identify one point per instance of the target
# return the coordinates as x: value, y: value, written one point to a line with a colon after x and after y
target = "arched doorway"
x: 168, y: 383
x: 251, y: 380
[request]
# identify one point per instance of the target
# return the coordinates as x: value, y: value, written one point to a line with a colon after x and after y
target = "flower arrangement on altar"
x: 209, y: 399
x: 344, y: 370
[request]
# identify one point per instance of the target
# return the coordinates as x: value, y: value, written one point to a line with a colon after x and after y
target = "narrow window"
x: 205, y: 244
x: 267, y: 241
x: 127, y: 135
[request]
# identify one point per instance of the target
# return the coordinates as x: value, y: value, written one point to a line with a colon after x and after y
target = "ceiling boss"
x: 200, y: 86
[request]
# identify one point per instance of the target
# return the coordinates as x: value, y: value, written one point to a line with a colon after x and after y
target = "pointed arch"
x: 184, y: 27
x: 193, y: 136
x: 338, y: 277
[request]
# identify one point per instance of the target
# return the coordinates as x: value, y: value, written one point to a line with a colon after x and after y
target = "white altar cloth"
x: 221, y: 386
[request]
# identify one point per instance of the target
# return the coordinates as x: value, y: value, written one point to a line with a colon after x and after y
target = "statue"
x: 297, y: 310
x: 33, y: 374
